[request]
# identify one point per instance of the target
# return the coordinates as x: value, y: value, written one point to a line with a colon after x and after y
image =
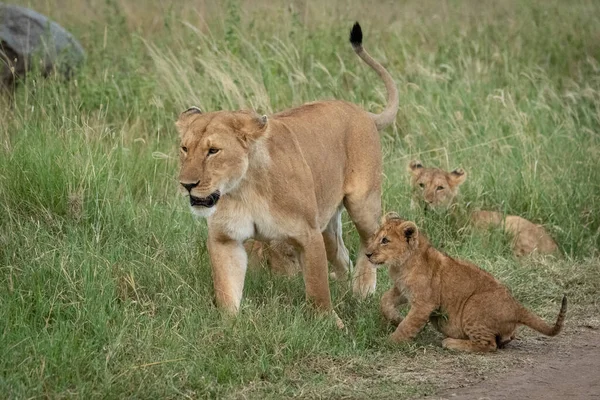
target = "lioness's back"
x: 343, y: 131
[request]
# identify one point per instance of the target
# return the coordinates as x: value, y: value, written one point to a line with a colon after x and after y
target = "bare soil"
x: 567, y: 369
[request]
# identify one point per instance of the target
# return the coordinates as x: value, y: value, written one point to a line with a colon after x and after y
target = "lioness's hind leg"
x: 337, y: 253
x: 314, y: 266
x: 364, y: 210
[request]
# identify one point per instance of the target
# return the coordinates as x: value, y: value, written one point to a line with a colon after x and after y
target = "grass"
x: 105, y: 288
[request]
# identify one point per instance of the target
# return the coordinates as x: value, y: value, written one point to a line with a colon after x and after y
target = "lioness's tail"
x: 528, y: 318
x: 389, y: 113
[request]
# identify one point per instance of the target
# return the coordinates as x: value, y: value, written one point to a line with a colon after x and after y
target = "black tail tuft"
x: 356, y: 35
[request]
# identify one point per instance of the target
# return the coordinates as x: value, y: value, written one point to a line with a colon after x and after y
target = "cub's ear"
x: 411, y: 233
x: 415, y: 166
x: 389, y: 216
x: 457, y: 177
x: 184, y: 118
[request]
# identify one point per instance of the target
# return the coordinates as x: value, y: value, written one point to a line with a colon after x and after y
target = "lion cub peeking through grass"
x: 476, y: 313
x: 438, y: 189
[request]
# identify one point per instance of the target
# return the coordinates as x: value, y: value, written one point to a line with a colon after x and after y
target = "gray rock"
x: 27, y: 37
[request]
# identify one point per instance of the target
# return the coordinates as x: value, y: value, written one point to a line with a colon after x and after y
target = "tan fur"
x: 527, y: 236
x: 286, y: 178
x: 468, y: 305
x: 434, y: 186
x: 279, y: 256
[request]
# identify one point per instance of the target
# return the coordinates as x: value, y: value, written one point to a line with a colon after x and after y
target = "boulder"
x: 28, y: 38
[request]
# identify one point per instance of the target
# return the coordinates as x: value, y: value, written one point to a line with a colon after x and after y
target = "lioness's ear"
x: 191, y: 110
x: 255, y: 128
x: 184, y: 118
x: 250, y: 126
x: 262, y: 121
x: 414, y: 166
x: 457, y: 177
x: 411, y: 233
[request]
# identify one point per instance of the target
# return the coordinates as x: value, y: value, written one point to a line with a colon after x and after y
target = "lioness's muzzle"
x: 208, y: 201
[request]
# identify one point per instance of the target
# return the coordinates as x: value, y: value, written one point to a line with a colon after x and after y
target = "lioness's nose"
x: 189, y: 186
x: 368, y: 255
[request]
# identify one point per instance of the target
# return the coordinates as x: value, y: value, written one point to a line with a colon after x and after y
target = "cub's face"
x: 434, y: 186
x: 214, y: 154
x: 394, y: 242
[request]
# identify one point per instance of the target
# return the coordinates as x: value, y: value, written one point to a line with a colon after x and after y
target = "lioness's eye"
x: 184, y: 149
x: 422, y: 185
x: 440, y: 188
x: 384, y: 240
x: 213, y: 150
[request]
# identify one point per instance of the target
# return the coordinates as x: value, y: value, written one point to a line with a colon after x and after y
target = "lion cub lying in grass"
x: 438, y: 188
x: 476, y: 312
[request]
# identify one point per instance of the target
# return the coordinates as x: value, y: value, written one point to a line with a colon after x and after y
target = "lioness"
x: 475, y: 311
x: 286, y: 178
x: 438, y: 189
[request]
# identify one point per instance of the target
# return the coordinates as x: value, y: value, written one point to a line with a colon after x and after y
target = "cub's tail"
x: 389, y: 113
x: 528, y: 318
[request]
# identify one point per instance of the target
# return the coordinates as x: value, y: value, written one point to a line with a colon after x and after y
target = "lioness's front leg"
x: 228, y: 261
x: 415, y: 320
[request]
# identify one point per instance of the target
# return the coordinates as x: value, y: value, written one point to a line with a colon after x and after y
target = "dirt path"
x: 569, y: 371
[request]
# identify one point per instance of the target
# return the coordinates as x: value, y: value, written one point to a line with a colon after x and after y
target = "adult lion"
x: 286, y: 178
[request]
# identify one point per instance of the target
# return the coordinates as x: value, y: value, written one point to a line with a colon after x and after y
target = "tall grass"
x: 105, y: 288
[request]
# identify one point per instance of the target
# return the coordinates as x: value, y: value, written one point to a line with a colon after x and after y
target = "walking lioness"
x: 467, y: 304
x: 286, y: 177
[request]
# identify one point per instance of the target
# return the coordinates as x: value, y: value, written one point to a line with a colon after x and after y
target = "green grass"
x: 105, y: 288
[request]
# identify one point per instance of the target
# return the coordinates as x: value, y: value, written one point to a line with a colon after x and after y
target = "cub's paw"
x: 396, y: 320
x: 397, y: 338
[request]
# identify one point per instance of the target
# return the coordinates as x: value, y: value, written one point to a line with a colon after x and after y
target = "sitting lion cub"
x: 476, y: 312
x: 438, y: 188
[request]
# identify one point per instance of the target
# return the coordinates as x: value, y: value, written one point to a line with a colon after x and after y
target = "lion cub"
x: 438, y: 188
x: 434, y: 186
x: 475, y: 311
x: 527, y: 236
x: 280, y: 257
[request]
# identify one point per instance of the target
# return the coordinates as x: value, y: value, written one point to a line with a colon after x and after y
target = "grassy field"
x: 105, y: 288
